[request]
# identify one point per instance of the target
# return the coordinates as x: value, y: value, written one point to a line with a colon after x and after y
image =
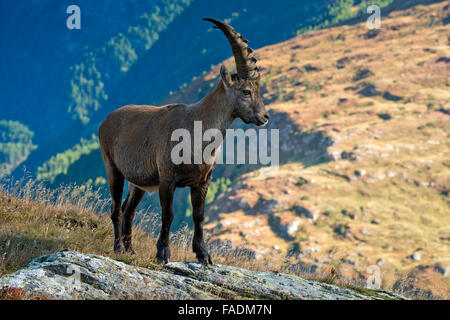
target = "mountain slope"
x: 182, y: 59
x: 46, y: 60
x: 364, y: 134
x: 16, y: 143
x: 71, y: 73
x: 34, y: 224
x: 102, y: 82
x: 363, y: 119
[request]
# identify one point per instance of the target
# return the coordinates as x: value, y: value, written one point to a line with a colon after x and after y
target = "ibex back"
x: 136, y: 145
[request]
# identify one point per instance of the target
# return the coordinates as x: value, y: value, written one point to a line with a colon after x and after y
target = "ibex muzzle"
x: 136, y: 145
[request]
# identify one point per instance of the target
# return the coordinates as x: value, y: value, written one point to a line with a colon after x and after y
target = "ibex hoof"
x: 130, y: 250
x: 128, y: 247
x: 204, y: 258
x: 119, y: 248
x: 163, y: 255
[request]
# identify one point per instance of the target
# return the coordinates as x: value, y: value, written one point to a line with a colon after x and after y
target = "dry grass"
x: 35, y: 221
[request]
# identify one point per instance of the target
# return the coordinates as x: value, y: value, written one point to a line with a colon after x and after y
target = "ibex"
x: 136, y: 145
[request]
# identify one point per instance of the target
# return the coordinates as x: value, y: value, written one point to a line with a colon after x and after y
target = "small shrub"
x: 301, y: 181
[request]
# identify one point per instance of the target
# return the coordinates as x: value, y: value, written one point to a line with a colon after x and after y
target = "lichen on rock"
x: 72, y: 275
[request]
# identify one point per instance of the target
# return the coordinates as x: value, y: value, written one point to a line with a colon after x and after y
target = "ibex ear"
x: 226, y: 77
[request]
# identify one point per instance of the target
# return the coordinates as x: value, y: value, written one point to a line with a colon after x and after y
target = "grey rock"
x: 445, y: 271
x: 292, y: 228
x: 269, y: 284
x: 416, y: 256
x: 72, y: 275
x: 360, y: 173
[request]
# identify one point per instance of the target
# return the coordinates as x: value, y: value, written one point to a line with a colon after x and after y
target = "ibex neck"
x: 214, y: 110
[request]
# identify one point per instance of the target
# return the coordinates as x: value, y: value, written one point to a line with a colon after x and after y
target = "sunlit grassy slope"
x: 364, y: 133
x: 364, y: 136
x: 35, y: 221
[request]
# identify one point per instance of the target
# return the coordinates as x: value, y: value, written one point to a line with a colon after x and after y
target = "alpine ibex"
x: 136, y: 145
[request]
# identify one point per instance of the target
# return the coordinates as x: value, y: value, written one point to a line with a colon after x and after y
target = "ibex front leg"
x: 198, y: 195
x: 166, y: 190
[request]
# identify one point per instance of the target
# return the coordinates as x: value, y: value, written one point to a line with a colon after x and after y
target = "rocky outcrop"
x: 72, y: 275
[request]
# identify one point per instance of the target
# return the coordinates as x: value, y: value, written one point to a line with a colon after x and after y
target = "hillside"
x: 62, y: 67
x: 71, y: 73
x: 126, y: 67
x: 137, y: 61
x: 16, y: 143
x: 364, y: 136
x: 40, y: 231
x: 58, y: 160
x: 364, y: 133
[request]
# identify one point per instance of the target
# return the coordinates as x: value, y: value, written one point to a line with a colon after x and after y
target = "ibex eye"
x: 246, y: 92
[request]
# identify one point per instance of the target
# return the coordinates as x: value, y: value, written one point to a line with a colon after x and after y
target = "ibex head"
x: 242, y: 88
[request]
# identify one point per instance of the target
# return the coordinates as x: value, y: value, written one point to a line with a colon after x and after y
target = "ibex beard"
x: 136, y: 146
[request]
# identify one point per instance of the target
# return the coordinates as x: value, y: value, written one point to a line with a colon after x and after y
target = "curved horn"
x: 243, y: 55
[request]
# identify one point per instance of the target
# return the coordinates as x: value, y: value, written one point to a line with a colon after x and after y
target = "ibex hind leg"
x: 134, y: 196
x: 166, y: 191
x: 116, y: 181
